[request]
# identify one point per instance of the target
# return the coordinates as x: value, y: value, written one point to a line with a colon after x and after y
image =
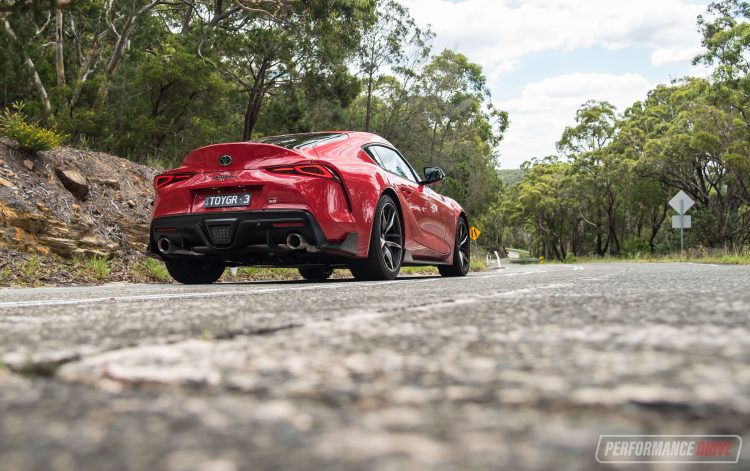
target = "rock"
x: 60, y: 246
x: 74, y: 182
x: 114, y: 184
x: 89, y: 253
x: 57, y: 212
x: 92, y: 241
x: 33, y: 223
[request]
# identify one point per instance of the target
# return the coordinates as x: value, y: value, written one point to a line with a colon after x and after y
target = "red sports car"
x: 313, y: 201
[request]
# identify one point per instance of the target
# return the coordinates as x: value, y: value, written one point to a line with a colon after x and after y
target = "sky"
x: 544, y: 58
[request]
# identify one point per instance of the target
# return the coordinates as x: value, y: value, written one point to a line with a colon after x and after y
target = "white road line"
x: 164, y: 296
x: 523, y: 273
x: 235, y: 292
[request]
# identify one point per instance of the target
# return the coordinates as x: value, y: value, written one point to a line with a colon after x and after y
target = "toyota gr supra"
x: 314, y: 201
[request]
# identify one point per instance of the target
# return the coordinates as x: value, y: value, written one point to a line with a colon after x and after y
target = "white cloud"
x: 539, y: 115
x: 499, y: 33
x: 678, y: 55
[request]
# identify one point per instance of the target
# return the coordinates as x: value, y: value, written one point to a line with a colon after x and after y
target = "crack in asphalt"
x: 47, y: 367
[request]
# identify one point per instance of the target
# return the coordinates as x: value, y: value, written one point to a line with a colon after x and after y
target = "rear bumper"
x: 229, y: 235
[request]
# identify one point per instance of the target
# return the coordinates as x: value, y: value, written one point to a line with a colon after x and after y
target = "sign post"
x: 682, y: 204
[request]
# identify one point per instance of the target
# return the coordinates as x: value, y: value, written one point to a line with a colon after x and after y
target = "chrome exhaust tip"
x: 296, y: 241
x: 165, y: 245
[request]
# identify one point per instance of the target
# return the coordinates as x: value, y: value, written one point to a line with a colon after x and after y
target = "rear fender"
x: 363, y: 185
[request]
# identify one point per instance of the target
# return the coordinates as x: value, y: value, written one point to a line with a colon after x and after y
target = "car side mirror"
x: 432, y: 175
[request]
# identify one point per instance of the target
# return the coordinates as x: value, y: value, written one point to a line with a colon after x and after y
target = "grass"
x: 6, y: 276
x: 699, y: 255
x: 32, y: 267
x: 98, y: 267
x: 150, y: 269
x: 20, y: 269
x: 424, y: 271
x: 256, y: 274
x: 478, y: 264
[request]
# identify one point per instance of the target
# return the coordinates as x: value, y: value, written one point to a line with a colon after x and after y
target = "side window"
x: 371, y: 151
x: 392, y: 162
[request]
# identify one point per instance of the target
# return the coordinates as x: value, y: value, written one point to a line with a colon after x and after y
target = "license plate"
x: 227, y: 201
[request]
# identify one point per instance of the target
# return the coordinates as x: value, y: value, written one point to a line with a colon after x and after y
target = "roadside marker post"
x: 682, y: 204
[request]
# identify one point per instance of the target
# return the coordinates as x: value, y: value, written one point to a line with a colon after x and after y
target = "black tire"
x: 192, y: 272
x: 461, y: 252
x: 315, y: 272
x: 386, y: 245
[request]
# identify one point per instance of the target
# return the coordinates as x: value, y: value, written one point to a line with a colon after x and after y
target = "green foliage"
x: 510, y: 177
x: 32, y: 266
x: 98, y: 267
x: 32, y: 137
x: 151, y: 81
x: 152, y: 270
x: 609, y: 196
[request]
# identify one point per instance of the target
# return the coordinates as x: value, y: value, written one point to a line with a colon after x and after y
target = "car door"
x: 421, y: 200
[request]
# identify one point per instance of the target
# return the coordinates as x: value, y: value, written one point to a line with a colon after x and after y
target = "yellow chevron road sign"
x: 474, y: 233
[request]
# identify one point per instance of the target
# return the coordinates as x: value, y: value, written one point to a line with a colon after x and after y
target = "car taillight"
x: 309, y: 170
x: 163, y: 180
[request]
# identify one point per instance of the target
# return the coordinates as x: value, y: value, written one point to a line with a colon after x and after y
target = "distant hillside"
x: 510, y: 177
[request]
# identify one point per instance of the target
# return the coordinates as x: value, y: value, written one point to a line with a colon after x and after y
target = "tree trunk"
x: 656, y: 223
x: 38, y: 84
x: 252, y: 112
x: 119, y: 51
x: 39, y: 87
x: 83, y: 73
x: 59, y: 58
x: 368, y: 110
x: 255, y: 100
x: 188, y: 15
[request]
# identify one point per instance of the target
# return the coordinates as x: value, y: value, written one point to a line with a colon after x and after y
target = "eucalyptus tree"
x: 387, y: 43
x: 270, y: 46
x: 597, y: 169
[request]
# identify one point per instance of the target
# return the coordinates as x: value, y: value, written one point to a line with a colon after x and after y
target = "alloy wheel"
x: 463, y: 245
x: 391, y: 240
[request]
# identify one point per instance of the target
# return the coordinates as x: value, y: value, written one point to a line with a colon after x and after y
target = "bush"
x: 15, y: 125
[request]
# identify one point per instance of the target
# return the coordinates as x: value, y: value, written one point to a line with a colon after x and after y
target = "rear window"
x: 301, y: 141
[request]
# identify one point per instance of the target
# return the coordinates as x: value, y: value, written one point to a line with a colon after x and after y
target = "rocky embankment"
x: 73, y: 203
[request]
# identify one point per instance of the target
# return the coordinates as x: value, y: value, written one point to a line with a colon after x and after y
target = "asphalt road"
x: 522, y: 368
